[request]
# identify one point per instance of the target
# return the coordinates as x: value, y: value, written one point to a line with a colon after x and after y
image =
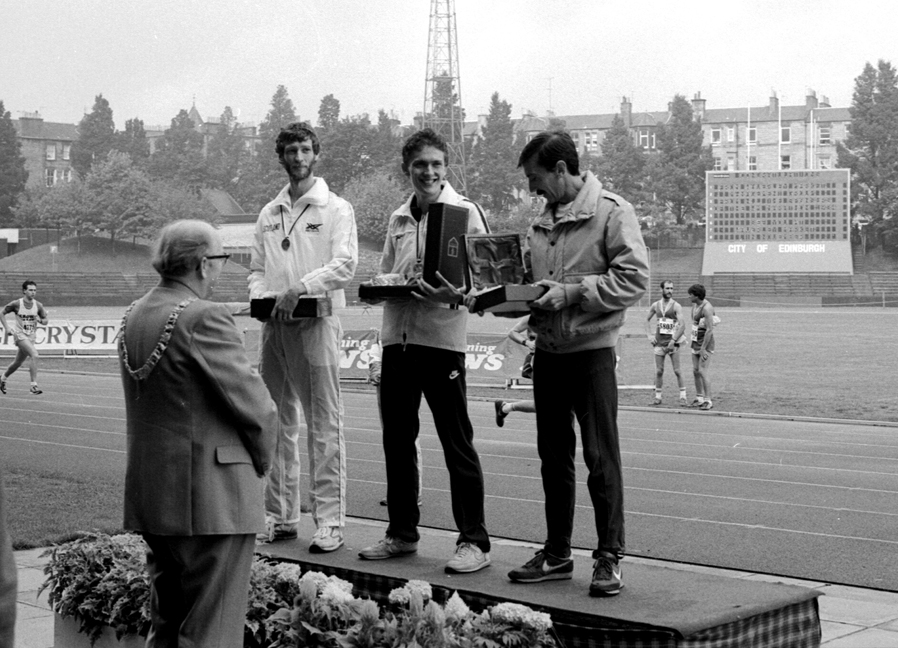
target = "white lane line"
x: 63, y: 445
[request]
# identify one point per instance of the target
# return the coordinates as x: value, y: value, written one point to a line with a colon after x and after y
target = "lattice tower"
x: 442, y: 88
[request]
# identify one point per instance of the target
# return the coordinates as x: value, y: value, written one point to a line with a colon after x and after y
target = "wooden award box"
x: 317, y: 306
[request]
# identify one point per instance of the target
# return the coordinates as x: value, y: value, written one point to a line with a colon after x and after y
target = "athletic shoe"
x: 383, y: 502
x: 468, y: 558
x: 683, y: 402
x: 543, y: 567
x: 276, y: 532
x: 606, y: 575
x: 2, y: 386
x: 34, y: 390
x: 388, y: 547
x: 326, y: 539
x: 696, y: 403
x: 656, y: 401
x: 706, y: 405
x: 500, y: 415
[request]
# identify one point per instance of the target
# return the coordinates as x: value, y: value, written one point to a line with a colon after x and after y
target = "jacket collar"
x: 447, y: 195
x: 583, y: 206
x: 317, y: 195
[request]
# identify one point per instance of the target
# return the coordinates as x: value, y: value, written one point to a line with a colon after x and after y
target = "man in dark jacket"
x: 201, y: 428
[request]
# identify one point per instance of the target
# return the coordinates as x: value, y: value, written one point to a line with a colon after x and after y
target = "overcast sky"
x: 152, y: 58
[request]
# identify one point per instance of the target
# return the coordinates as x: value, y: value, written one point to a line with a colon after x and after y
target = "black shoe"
x: 2, y: 386
x: 500, y: 415
x: 543, y: 567
x: 606, y: 575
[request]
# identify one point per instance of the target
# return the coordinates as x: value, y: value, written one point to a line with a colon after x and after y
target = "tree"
x: 328, y: 112
x: 492, y: 173
x: 346, y: 152
x: 871, y: 149
x: 622, y: 165
x: 263, y: 176
x: 133, y: 141
x: 13, y: 175
x: 96, y: 137
x: 226, y: 153
x: 679, y: 175
x: 118, y: 193
x: 374, y: 197
x: 179, y: 154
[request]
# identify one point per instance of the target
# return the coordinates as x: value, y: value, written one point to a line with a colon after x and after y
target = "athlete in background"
x: 665, y: 340
x: 28, y: 314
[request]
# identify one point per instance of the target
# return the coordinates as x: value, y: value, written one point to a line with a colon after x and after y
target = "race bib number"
x: 28, y: 324
x: 694, y: 336
x: 666, y: 325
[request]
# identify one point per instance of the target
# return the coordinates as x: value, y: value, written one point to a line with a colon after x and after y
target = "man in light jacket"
x: 305, y: 243
x: 586, y: 249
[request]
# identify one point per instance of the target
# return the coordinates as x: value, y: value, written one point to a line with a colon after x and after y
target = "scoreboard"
x: 777, y: 221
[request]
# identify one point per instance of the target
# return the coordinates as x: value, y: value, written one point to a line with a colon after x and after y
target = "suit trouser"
x: 8, y: 580
x: 580, y: 384
x: 408, y: 372
x: 199, y: 587
x: 300, y: 364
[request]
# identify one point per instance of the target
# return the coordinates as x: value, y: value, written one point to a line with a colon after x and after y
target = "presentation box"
x: 444, y: 247
x: 317, y: 306
x: 368, y: 290
x: 508, y: 298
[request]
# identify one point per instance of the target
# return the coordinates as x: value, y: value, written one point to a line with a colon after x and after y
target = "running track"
x: 812, y: 500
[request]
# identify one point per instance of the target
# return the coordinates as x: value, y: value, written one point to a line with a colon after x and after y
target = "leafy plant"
x: 101, y: 581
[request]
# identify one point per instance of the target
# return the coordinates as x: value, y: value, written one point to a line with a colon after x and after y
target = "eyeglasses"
x: 219, y: 256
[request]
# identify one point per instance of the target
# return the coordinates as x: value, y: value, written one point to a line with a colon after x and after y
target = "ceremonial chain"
x: 150, y: 364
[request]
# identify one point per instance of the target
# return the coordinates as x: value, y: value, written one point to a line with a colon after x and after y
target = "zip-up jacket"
x: 596, y: 244
x: 409, y: 321
x: 324, y: 248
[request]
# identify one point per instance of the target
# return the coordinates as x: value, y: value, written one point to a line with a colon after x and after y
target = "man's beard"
x: 300, y: 172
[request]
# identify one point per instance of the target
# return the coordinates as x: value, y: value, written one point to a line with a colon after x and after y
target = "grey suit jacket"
x: 201, y: 426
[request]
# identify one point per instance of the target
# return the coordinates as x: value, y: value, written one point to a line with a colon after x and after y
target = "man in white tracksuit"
x: 305, y: 243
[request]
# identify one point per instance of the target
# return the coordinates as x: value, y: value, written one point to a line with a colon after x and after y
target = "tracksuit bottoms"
x: 300, y: 364
x: 439, y: 374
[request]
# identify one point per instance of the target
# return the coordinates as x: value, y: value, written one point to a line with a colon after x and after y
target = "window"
x: 731, y: 134
x: 67, y: 175
x: 731, y: 163
x: 717, y: 164
x: 644, y: 138
x: 51, y: 151
x: 786, y: 134
x: 752, y: 134
x: 50, y: 177
x: 785, y: 162
x: 752, y: 163
x: 825, y: 134
x: 715, y: 136
x: 66, y: 151
x: 824, y: 162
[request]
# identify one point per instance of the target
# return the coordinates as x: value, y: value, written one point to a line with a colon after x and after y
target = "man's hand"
x: 285, y: 303
x: 445, y: 293
x: 554, y: 299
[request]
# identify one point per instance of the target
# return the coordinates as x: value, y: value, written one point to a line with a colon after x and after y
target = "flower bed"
x: 100, y: 581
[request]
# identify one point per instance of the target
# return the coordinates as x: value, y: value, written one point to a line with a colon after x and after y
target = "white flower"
x: 317, y: 578
x: 516, y: 614
x: 400, y: 595
x: 288, y: 572
x: 335, y: 594
x: 341, y: 584
x: 422, y: 587
x: 456, y: 608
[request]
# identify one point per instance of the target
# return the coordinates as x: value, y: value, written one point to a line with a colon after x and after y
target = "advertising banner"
x: 66, y: 335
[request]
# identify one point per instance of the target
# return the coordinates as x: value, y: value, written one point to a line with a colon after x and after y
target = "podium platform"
x: 659, y: 607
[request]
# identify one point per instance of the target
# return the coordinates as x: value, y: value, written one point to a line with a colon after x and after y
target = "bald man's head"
x: 182, y: 245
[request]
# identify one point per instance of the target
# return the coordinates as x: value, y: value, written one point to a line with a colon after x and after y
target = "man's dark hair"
x: 417, y: 141
x: 666, y: 281
x: 27, y: 283
x: 698, y: 290
x: 549, y: 147
x: 296, y: 132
